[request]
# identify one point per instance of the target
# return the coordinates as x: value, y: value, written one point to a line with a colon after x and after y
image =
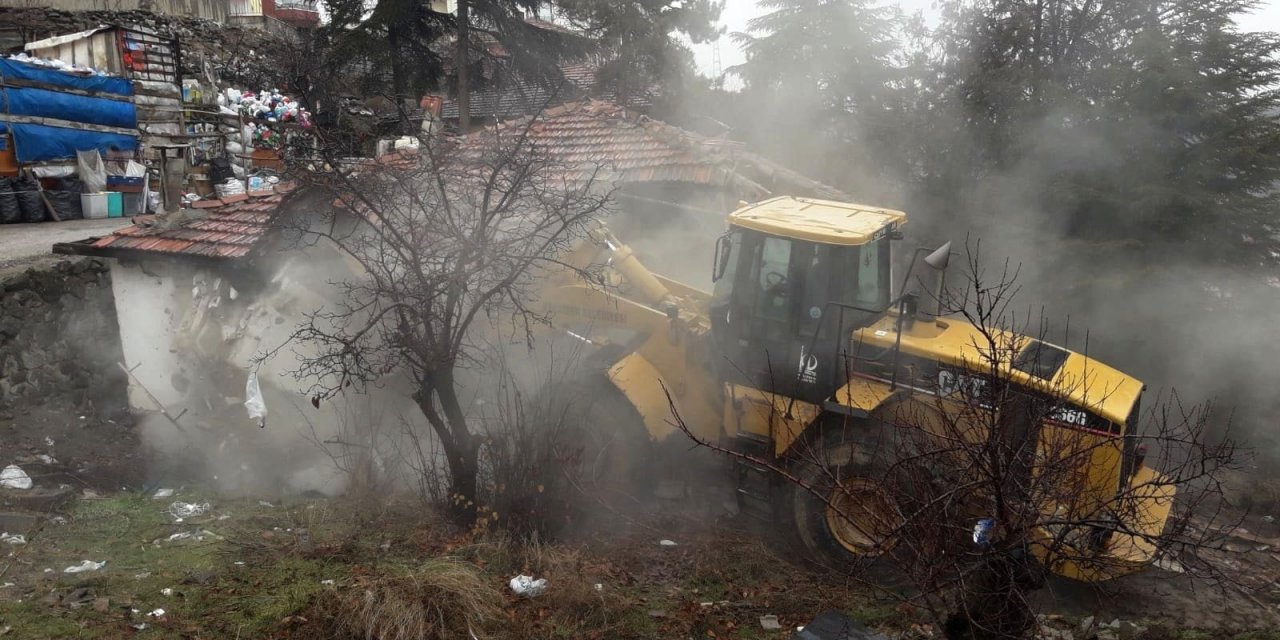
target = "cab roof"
x: 822, y: 221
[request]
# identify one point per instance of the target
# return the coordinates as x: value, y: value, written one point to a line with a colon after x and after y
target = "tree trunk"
x: 461, y: 63
x: 461, y: 450
x: 398, y: 73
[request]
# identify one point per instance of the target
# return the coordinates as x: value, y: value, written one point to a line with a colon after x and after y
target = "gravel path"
x: 20, y: 243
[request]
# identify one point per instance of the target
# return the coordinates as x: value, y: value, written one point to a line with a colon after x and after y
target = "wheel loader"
x: 800, y: 330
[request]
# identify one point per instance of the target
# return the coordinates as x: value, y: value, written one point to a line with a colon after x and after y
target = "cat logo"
x: 808, y: 371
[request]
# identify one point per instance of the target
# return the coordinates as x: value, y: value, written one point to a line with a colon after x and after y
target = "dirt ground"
x: 320, y: 567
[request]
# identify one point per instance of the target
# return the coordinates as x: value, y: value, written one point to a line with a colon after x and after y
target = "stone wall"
x: 59, y: 340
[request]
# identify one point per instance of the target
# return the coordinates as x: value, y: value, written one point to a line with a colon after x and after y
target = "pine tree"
x: 823, y: 75
x: 1147, y: 121
x: 641, y: 43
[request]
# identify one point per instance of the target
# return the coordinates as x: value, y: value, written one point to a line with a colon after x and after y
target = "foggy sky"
x: 738, y: 12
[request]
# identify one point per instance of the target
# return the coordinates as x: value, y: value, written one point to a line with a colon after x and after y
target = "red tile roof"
x: 223, y: 229
x: 636, y: 148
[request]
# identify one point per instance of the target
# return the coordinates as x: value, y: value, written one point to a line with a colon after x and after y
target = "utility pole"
x: 461, y: 62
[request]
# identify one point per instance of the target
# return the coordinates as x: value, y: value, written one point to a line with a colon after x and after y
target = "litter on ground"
x: 13, y: 538
x: 182, y: 510
x: 13, y: 477
x: 528, y: 587
x: 87, y: 565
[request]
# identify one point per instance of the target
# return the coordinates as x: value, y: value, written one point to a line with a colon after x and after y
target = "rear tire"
x: 840, y: 510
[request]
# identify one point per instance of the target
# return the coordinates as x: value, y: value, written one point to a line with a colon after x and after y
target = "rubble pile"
x: 52, y: 322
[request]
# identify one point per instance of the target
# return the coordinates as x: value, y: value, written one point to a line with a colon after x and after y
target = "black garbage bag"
x: 66, y: 203
x: 72, y: 184
x: 9, y: 210
x: 28, y: 193
x: 220, y: 169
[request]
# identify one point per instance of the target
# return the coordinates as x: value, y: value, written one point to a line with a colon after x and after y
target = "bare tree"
x: 989, y: 472
x: 443, y: 243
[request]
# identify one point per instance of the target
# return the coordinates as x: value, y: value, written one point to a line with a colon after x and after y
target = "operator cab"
x: 792, y: 276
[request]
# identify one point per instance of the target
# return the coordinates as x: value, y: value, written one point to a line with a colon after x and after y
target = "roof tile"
x: 229, y: 228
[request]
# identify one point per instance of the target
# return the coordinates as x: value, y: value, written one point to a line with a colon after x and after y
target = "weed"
x: 442, y: 598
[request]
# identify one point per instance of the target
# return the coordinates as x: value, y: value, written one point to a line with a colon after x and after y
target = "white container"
x: 94, y: 205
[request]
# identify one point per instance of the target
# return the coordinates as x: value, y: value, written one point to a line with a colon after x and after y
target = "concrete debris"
x: 13, y: 477
x: 528, y: 587
x: 769, y: 623
x: 87, y: 565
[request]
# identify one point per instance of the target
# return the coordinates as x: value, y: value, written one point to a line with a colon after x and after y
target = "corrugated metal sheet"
x: 94, y: 48
x: 245, y: 8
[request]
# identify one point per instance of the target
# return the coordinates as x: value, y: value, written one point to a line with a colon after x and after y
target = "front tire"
x: 840, y: 508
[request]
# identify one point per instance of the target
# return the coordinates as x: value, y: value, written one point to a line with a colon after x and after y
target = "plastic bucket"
x: 115, y: 204
x: 94, y: 205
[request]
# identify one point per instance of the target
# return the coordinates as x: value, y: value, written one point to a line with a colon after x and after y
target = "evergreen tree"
x: 1147, y: 120
x: 825, y: 79
x: 641, y: 43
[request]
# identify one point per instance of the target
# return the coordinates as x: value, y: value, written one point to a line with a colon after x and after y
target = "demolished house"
x: 203, y: 292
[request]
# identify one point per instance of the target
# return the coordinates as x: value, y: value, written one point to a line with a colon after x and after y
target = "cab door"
x: 762, y: 333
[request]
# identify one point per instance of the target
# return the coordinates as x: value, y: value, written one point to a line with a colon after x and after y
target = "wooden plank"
x: 27, y: 84
x: 67, y: 124
x: 40, y: 188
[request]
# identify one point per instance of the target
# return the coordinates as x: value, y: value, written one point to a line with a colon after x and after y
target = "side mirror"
x: 940, y: 257
x: 723, y: 250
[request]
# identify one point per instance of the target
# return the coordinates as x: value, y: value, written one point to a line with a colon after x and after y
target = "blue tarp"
x: 24, y: 101
x: 37, y: 142
x: 36, y: 73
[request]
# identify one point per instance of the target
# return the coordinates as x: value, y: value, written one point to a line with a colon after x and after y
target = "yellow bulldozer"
x: 752, y: 365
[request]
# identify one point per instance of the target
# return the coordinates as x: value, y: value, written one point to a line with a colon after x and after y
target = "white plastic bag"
x: 87, y: 565
x: 253, y: 400
x: 92, y: 172
x: 528, y: 587
x: 13, y: 477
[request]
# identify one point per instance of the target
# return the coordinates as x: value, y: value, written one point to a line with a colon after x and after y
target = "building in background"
x: 282, y: 17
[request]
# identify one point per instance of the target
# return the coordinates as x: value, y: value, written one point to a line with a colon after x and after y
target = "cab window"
x: 873, y: 275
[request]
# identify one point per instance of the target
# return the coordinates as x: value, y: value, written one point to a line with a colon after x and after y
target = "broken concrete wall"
x: 59, y: 338
x: 191, y: 334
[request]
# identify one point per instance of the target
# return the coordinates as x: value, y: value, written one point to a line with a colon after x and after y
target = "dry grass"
x: 571, y: 606
x: 443, y: 598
